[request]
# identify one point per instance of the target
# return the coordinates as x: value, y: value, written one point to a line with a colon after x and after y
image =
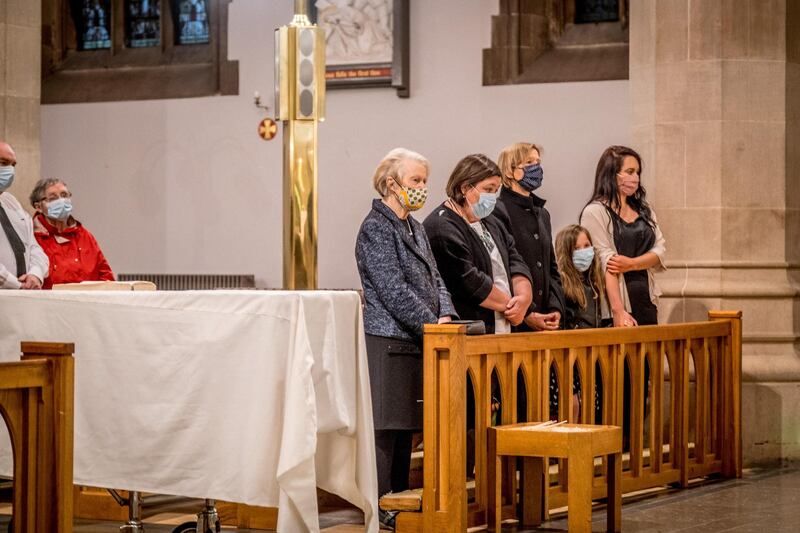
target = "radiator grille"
x: 193, y: 282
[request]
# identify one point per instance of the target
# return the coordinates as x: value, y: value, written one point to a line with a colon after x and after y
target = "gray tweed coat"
x: 402, y: 286
x: 403, y: 291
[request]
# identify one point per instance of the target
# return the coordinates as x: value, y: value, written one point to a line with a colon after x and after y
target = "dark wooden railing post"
x: 681, y: 384
x: 22, y: 391
x: 732, y: 387
x: 58, y: 415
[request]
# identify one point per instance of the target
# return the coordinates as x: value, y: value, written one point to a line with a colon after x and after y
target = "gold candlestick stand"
x: 300, y: 105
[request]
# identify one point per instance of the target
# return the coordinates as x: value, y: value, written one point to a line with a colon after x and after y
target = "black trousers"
x: 393, y: 454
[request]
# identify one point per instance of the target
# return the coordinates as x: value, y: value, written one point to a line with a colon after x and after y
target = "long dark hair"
x: 605, y: 183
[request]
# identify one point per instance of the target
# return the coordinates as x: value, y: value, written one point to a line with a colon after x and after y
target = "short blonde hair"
x: 511, y: 157
x: 392, y: 165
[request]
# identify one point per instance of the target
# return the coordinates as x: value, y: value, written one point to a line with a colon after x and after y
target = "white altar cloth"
x: 253, y: 397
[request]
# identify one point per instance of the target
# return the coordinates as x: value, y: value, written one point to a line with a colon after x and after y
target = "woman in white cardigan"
x: 626, y: 237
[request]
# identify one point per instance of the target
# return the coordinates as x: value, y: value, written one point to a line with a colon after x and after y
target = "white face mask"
x: 6, y: 177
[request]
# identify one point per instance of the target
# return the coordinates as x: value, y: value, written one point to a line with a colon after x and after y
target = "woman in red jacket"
x: 74, y: 253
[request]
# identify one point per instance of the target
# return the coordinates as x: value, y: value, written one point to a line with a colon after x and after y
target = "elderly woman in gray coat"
x: 403, y: 291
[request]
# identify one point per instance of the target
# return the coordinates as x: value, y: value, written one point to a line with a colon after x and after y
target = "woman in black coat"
x: 525, y: 216
x: 402, y: 292
x: 485, y: 275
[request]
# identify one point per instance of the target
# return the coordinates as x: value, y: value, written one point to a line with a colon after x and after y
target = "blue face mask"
x: 59, y: 209
x: 582, y: 259
x: 6, y: 177
x: 485, y: 204
x: 532, y: 177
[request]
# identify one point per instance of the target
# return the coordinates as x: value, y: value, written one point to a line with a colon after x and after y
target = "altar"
x: 254, y: 397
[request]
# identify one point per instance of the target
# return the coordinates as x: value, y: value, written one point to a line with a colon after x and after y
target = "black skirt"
x: 395, y: 377
x: 643, y: 309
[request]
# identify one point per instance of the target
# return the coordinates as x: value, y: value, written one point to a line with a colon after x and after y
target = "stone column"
x: 715, y: 88
x: 20, y: 88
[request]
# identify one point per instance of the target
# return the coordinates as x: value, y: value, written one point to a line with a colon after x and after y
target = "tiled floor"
x: 331, y: 520
x: 763, y: 501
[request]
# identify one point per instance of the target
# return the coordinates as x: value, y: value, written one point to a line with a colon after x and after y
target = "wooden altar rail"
x: 683, y: 441
x: 36, y: 403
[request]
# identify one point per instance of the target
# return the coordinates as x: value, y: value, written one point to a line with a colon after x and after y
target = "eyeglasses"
x: 53, y: 198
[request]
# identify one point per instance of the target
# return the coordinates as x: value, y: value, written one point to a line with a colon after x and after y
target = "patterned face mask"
x: 532, y: 177
x: 412, y: 199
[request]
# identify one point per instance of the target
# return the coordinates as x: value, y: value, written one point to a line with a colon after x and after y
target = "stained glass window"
x: 92, y: 24
x: 192, y: 21
x: 596, y: 10
x: 143, y: 23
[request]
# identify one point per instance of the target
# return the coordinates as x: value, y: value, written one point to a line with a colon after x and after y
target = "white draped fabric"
x: 254, y: 397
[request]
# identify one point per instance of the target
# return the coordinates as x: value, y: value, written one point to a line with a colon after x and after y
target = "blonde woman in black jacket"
x: 524, y: 214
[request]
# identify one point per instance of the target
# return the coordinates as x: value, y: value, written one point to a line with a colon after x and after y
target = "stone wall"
x: 20, y: 87
x: 537, y: 41
x: 187, y: 185
x: 715, y: 95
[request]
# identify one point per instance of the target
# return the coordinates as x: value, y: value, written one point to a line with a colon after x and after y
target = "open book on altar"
x: 106, y: 286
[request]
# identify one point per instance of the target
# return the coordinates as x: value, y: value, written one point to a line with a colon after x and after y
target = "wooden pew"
x: 683, y: 440
x: 36, y: 403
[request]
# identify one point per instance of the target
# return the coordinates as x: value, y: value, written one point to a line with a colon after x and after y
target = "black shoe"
x: 386, y: 519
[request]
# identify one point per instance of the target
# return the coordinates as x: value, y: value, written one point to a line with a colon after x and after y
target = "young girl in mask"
x: 581, y: 277
x: 584, y: 292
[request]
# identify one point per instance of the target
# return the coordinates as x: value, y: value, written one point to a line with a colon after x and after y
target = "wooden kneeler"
x: 36, y: 403
x: 579, y: 444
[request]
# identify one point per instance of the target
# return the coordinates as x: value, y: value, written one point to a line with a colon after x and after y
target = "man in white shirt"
x: 23, y: 263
